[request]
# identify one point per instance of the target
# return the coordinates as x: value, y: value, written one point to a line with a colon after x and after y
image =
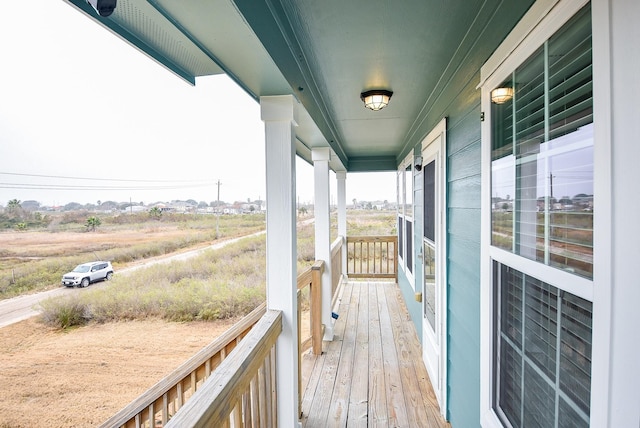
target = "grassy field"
x: 36, y: 260
x: 79, y: 375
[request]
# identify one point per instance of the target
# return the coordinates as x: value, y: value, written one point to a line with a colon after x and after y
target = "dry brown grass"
x: 41, y: 244
x: 79, y: 378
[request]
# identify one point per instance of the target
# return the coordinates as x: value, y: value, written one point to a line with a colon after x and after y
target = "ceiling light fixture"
x: 376, y: 99
x: 501, y: 95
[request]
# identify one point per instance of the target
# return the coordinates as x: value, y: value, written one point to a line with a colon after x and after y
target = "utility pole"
x: 218, y: 211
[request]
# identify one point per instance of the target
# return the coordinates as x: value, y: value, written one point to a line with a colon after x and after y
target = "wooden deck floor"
x: 371, y: 374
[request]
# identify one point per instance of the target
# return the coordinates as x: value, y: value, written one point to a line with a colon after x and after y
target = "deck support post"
x: 341, y: 177
x: 279, y: 114
x: 320, y: 158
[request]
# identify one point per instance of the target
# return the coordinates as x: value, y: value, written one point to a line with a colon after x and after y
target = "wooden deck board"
x: 342, y: 387
x: 359, y: 399
x: 396, y: 408
x: 377, y: 415
x: 371, y: 374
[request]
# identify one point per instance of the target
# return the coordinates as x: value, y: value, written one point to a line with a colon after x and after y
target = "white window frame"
x: 404, y: 213
x: 543, y: 19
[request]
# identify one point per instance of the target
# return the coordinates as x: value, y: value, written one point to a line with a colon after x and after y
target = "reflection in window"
x: 430, y: 283
x: 542, y: 154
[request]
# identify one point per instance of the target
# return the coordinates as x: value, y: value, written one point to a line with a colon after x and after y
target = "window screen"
x: 429, y: 176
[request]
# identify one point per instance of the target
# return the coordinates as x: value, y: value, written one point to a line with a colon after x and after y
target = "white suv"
x: 86, y: 273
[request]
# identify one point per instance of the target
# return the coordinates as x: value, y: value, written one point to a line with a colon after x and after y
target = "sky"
x: 85, y: 117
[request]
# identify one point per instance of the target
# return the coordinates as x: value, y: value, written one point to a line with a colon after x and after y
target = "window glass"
x: 544, y: 343
x: 542, y: 154
x: 408, y: 191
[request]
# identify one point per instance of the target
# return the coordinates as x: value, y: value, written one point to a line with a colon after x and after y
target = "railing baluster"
x: 262, y: 395
x: 152, y: 416
x: 273, y: 393
x: 165, y: 409
x: 255, y: 413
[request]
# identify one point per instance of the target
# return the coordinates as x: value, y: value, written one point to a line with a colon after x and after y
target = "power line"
x: 136, y: 184
x: 28, y: 186
x: 107, y: 179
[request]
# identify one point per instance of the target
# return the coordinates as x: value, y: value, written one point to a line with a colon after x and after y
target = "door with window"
x: 433, y: 259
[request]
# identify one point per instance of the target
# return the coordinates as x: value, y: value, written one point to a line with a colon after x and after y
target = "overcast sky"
x: 85, y: 117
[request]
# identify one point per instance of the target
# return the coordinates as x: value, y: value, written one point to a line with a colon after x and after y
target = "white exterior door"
x: 433, y: 259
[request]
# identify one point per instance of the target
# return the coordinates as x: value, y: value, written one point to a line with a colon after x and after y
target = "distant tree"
x: 192, y: 202
x: 202, y: 204
x: 155, y: 212
x: 72, y: 206
x: 21, y: 226
x: 30, y: 205
x: 98, y: 203
x: 109, y: 205
x: 302, y: 210
x: 92, y: 223
x: 13, y: 204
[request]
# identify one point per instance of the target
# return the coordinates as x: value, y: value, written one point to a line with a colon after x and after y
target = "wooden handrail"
x: 234, y: 392
x: 164, y: 399
x: 372, y: 257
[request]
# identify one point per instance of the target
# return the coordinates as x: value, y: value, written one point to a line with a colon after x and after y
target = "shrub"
x: 64, y: 313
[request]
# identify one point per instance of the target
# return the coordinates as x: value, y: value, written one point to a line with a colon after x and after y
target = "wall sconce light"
x: 376, y: 99
x: 418, y: 163
x: 501, y: 95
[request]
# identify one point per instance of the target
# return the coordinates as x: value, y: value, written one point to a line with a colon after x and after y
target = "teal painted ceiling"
x: 325, y: 53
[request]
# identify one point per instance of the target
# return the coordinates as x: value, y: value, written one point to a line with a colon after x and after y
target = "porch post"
x: 341, y: 177
x: 279, y: 114
x: 616, y: 339
x: 320, y: 158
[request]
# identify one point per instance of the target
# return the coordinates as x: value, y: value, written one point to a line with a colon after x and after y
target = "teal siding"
x: 463, y: 260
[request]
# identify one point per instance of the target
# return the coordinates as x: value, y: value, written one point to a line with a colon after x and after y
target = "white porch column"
x: 341, y: 178
x: 279, y: 114
x: 615, y: 401
x: 320, y: 158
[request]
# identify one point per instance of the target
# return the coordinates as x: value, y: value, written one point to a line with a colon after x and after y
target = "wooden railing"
x: 159, y: 403
x: 372, y: 257
x: 242, y: 390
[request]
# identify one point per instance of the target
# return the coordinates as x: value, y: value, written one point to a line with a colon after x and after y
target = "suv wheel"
x: 109, y: 276
x: 84, y: 283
